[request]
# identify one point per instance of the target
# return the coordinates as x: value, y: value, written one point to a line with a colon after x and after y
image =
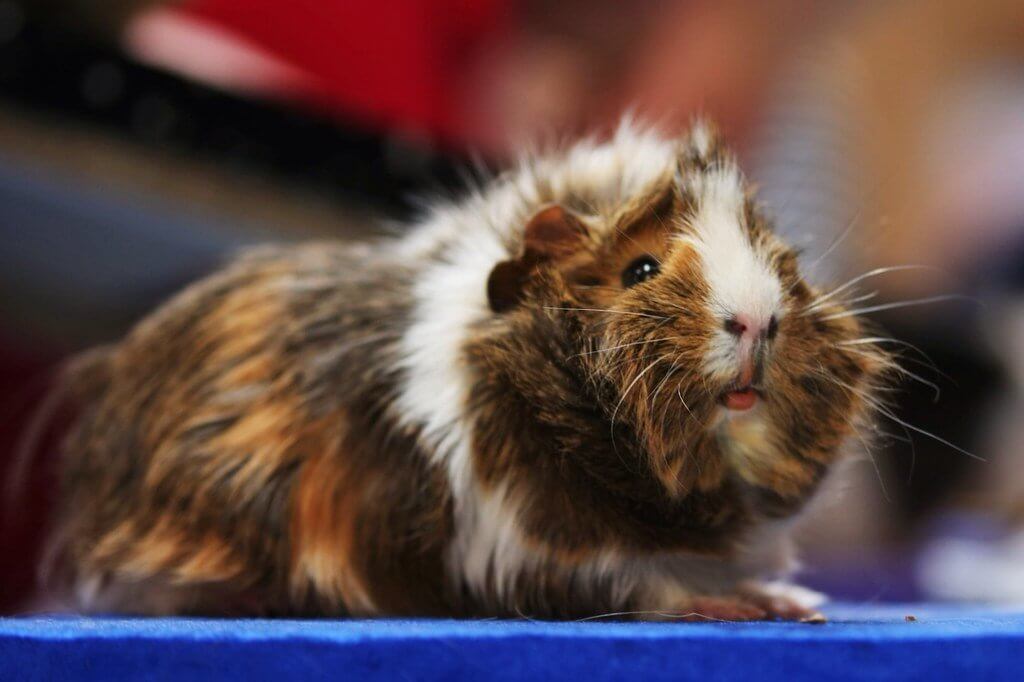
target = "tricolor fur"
x: 330, y: 429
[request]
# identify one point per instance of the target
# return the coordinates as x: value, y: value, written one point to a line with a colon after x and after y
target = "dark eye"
x: 640, y: 270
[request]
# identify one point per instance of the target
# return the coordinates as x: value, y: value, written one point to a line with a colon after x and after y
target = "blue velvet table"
x: 860, y: 642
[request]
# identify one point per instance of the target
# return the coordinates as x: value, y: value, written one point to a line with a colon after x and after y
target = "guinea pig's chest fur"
x: 515, y: 409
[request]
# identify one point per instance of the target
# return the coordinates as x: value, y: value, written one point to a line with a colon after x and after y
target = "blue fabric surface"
x: 860, y: 642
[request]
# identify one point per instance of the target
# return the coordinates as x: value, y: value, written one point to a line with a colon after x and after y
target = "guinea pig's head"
x: 693, y: 326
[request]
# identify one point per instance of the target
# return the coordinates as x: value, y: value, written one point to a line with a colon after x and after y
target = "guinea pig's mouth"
x: 740, y: 398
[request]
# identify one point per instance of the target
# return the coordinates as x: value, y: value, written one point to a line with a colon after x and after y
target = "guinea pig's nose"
x: 734, y: 326
x: 752, y: 335
x: 742, y: 325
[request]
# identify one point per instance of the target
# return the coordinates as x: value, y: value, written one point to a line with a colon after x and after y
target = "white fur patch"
x: 489, y: 546
x: 450, y: 298
x: 740, y: 278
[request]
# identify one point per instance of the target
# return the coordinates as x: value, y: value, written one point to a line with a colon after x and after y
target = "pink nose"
x: 744, y: 326
x: 751, y: 335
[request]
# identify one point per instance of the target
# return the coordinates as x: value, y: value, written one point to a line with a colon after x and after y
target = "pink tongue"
x: 740, y: 400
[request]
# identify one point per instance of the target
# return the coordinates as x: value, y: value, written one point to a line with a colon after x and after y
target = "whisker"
x: 896, y: 367
x: 622, y: 399
x: 900, y: 304
x: 672, y: 370
x: 606, y: 310
x: 680, y: 396
x: 598, y: 351
x: 892, y: 436
x: 860, y: 278
x: 882, y: 339
x: 922, y: 363
x: 630, y: 387
x: 519, y: 612
x: 934, y: 437
x: 871, y: 456
x: 837, y: 241
x: 887, y: 413
x: 843, y: 302
x: 861, y: 299
x: 662, y: 614
x: 913, y: 454
x: 921, y: 380
x: 606, y: 366
x: 928, y: 362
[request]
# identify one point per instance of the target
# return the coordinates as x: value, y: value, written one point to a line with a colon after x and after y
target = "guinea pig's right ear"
x: 551, y: 234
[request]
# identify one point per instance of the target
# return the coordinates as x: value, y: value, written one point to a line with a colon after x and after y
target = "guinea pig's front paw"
x: 728, y: 608
x: 751, y: 601
x: 784, y: 601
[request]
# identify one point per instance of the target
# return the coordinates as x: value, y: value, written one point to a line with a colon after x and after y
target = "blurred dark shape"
x: 103, y: 84
x: 86, y: 284
x: 50, y: 70
x: 99, y: 21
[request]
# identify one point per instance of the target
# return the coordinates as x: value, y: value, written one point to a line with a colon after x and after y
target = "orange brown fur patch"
x: 327, y: 503
x: 227, y: 451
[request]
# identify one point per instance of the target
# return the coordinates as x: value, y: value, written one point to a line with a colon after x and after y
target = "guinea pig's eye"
x: 640, y: 270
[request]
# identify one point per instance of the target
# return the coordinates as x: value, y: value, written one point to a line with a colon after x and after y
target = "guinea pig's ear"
x: 505, y: 285
x: 554, y: 232
x: 551, y: 234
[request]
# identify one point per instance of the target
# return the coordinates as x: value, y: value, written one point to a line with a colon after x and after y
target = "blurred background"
x: 142, y: 140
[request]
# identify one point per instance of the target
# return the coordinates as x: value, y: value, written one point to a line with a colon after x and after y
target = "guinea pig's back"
x: 183, y: 477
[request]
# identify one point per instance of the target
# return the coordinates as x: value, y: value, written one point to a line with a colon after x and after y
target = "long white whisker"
x: 606, y: 310
x: 860, y: 299
x: 871, y: 457
x: 630, y: 387
x: 899, y: 342
x: 622, y: 361
x: 900, y: 304
x: 597, y: 351
x: 661, y: 614
x: 615, y: 412
x: 927, y: 365
x: 909, y: 440
x: 887, y: 413
x: 860, y: 278
x: 837, y: 241
x: 672, y: 370
x: 899, y: 369
x: 930, y: 435
x: 680, y: 395
x: 880, y: 339
x: 921, y: 380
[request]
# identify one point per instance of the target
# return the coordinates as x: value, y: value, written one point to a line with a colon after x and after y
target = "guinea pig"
x: 598, y: 385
